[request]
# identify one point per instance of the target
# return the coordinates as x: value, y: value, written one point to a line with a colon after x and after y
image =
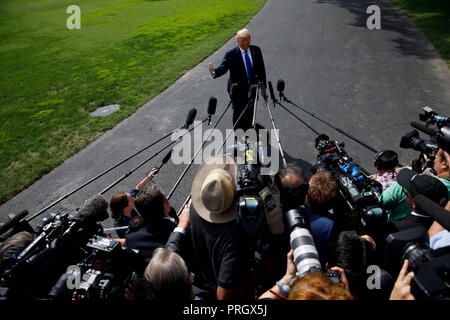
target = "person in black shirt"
x: 217, y: 253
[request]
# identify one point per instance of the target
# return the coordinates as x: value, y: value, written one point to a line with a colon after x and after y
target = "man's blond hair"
x: 243, y: 33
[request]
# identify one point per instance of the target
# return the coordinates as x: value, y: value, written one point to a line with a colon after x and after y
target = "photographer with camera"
x: 217, y: 247
x: 435, y: 151
x: 402, y: 287
x: 304, y: 278
x: 319, y: 194
x: 415, y: 184
x: 355, y: 253
x: 312, y: 286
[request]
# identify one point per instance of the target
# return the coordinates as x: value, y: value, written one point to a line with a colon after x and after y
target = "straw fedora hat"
x: 214, y: 188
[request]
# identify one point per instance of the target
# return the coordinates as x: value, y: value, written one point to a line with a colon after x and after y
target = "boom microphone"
x: 424, y: 129
x: 10, y: 223
x: 94, y: 210
x: 190, y: 117
x: 211, y: 108
x: 280, y: 88
x: 434, y: 210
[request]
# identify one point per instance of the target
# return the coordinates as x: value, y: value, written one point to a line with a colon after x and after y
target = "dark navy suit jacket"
x: 150, y: 237
x: 233, y: 62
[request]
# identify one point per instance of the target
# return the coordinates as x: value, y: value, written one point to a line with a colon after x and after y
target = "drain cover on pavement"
x: 104, y: 111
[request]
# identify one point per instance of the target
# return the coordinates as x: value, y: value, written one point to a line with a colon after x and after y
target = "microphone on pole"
x: 211, y: 108
x: 190, y: 118
x: 280, y: 88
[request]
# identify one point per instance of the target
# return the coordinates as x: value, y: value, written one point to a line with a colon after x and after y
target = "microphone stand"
x: 276, y: 133
x: 255, y: 106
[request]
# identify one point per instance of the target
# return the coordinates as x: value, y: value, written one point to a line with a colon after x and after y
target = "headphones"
x: 378, y: 163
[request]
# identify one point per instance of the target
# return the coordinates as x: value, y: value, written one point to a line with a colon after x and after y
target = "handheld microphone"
x: 190, y: 118
x: 272, y: 94
x: 280, y: 88
x: 211, y: 108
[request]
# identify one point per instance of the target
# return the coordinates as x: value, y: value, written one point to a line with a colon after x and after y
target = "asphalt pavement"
x: 369, y: 83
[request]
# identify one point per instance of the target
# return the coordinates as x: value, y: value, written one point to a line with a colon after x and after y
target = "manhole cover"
x: 104, y: 111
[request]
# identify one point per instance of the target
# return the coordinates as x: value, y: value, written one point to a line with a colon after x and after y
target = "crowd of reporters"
x: 205, y: 253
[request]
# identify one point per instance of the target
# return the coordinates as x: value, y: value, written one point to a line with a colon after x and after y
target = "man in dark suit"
x: 246, y: 65
x: 154, y: 208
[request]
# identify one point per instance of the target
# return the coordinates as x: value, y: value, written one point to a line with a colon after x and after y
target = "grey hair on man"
x: 167, y: 278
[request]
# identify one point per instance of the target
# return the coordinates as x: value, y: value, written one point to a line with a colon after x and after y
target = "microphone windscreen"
x: 434, y: 210
x: 252, y: 92
x: 280, y: 85
x: 429, y: 131
x: 10, y: 223
x: 94, y: 210
x: 234, y: 91
x: 191, y: 116
x: 212, y: 105
x: 272, y: 94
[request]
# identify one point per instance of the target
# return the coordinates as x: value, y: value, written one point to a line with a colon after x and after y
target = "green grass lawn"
x: 125, y: 53
x: 433, y: 18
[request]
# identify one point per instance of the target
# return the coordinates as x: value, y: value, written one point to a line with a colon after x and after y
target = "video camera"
x: 102, y: 275
x: 431, y: 267
x: 360, y: 192
x: 58, y: 242
x: 438, y: 128
x: 259, y: 211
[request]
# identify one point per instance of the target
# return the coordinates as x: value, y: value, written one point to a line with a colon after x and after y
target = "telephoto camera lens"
x: 306, y: 257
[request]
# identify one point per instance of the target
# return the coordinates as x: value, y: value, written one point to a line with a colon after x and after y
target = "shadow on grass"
x: 410, y: 41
